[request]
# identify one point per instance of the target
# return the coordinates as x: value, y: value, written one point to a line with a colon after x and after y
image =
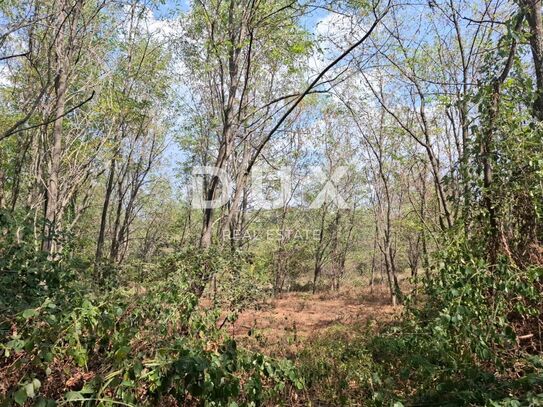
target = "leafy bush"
x: 465, y: 344
x: 141, y: 340
x: 339, y: 370
x: 27, y: 275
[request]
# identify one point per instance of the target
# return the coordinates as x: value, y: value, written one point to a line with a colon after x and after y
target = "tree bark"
x: 532, y: 10
x: 105, y: 209
x: 61, y: 84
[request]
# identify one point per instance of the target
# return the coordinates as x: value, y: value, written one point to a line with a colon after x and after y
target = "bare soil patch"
x: 288, y: 321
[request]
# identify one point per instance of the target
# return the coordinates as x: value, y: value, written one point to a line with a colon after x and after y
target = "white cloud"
x: 5, y: 81
x: 337, y: 29
x: 334, y: 33
x: 164, y: 27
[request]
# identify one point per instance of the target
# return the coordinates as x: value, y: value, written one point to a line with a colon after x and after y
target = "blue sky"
x: 171, y: 7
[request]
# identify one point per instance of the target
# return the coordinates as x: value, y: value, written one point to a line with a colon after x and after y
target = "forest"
x: 271, y: 203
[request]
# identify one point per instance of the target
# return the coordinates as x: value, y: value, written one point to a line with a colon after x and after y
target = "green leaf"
x: 20, y: 396
x: 29, y: 313
x: 37, y: 384
x: 87, y: 389
x: 30, y: 390
x: 73, y: 396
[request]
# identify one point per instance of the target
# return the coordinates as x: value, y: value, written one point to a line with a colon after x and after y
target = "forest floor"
x: 284, y: 324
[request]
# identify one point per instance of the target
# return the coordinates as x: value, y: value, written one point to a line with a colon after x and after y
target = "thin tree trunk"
x: 532, y: 9
x: 319, y: 252
x: 105, y: 209
x: 373, y: 258
x: 61, y: 84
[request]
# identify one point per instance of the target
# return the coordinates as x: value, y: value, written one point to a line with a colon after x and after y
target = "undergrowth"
x: 135, y: 338
x: 473, y: 336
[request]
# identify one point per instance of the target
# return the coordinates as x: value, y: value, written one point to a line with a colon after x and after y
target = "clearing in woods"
x: 283, y: 324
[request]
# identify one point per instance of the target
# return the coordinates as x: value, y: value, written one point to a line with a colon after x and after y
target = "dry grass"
x: 283, y: 324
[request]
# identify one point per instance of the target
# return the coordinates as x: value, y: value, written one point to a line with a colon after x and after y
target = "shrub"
x: 142, y: 340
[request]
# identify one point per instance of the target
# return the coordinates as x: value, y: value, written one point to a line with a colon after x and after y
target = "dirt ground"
x: 294, y: 317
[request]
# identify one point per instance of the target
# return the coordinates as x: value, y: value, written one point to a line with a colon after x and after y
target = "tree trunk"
x: 319, y: 252
x: 61, y: 84
x: 105, y: 208
x: 532, y: 9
